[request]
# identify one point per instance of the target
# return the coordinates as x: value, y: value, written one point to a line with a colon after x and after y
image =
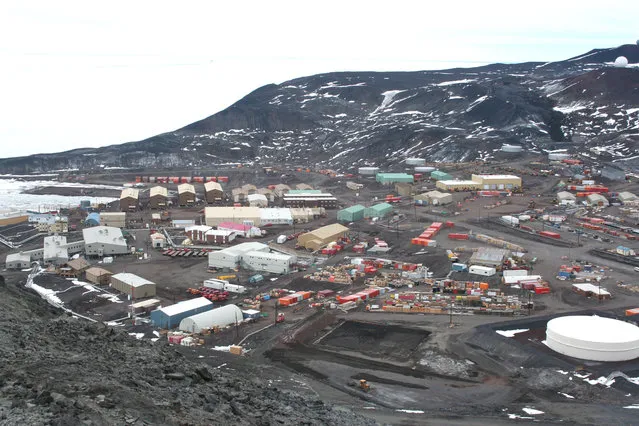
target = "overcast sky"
x: 80, y: 73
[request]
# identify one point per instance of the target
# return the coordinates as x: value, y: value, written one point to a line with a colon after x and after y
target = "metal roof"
x: 129, y: 193
x: 104, y: 235
x: 186, y: 306
x: 354, y: 209
x: 159, y: 190
x: 55, y: 246
x: 131, y: 279
x: 228, y: 212
x: 489, y: 254
x: 212, y: 186
x: 328, y: 231
x: 186, y: 188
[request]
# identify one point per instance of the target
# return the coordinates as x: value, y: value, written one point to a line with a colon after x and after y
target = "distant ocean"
x: 12, y: 199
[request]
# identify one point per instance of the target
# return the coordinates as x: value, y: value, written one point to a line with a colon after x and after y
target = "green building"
x: 391, y: 178
x: 351, y: 214
x: 378, y: 210
x: 439, y: 175
x: 305, y: 191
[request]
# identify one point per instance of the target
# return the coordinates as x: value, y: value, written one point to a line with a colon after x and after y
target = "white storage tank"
x: 220, y: 317
x: 512, y: 148
x: 510, y: 220
x: 593, y: 338
x: 368, y: 171
x: 424, y: 169
x: 558, y: 156
x: 415, y: 161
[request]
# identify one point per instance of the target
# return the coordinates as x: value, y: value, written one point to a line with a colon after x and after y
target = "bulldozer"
x: 363, y: 385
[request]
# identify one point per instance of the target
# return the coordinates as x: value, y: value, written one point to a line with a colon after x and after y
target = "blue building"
x: 170, y: 316
x: 93, y: 219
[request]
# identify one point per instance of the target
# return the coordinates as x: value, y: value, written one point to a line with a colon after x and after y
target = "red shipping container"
x: 550, y: 234
x: 458, y: 236
x: 211, y: 179
x: 325, y: 293
x: 176, y: 339
x: 542, y: 290
x: 373, y: 292
x: 224, y: 179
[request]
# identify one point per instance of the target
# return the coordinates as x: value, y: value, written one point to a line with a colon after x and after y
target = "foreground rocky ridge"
x: 379, y: 118
x: 61, y: 370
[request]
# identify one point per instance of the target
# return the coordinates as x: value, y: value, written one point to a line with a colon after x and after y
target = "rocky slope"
x: 64, y: 371
x: 364, y: 118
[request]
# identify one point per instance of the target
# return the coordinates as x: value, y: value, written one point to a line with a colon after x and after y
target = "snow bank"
x: 511, y: 333
x: 531, y: 411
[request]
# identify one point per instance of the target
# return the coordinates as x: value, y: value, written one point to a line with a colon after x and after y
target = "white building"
x: 55, y: 250
x: 277, y: 263
x: 275, y: 217
x: 257, y: 200
x: 18, y: 260
x: 252, y: 255
x: 565, y: 198
x: 482, y: 270
x: 219, y: 317
x: 104, y: 241
x: 627, y: 197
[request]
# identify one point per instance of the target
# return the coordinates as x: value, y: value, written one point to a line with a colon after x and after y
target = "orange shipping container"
x: 630, y: 312
x: 483, y: 286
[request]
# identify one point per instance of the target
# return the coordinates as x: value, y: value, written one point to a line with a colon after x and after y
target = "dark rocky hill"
x: 363, y: 118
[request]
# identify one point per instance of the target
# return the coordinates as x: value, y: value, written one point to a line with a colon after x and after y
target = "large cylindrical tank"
x: 415, y: 161
x: 219, y: 317
x: 558, y: 156
x: 368, y: 171
x: 424, y: 169
x: 512, y: 148
x: 593, y: 338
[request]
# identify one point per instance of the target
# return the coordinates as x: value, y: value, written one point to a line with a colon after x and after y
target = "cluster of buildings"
x: 56, y: 250
x: 254, y: 256
x: 50, y: 222
x: 257, y: 216
x: 481, y: 182
x: 359, y: 212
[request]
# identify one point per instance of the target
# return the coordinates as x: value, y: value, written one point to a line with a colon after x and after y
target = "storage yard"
x: 390, y: 277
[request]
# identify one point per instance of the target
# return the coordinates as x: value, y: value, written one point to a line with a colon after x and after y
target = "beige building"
x: 303, y: 186
x: 216, y: 215
x: 132, y: 285
x: 186, y: 194
x: 114, y: 219
x: 98, y: 276
x: 497, y: 182
x: 129, y: 199
x: 435, y: 198
x: 213, y: 192
x: 320, y: 237
x: 404, y: 189
x: 158, y: 197
x: 281, y: 189
x: 456, y: 185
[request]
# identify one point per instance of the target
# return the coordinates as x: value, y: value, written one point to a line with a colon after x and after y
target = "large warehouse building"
x: 481, y: 182
x: 132, y: 285
x: 216, y: 215
x: 170, y: 316
x: 253, y: 255
x: 98, y: 276
x: 320, y: 237
x: 213, y: 192
x: 309, y: 199
x: 378, y: 211
x: 104, y: 241
x: 186, y: 194
x: 219, y: 317
x: 158, y: 197
x: 593, y: 338
x: 489, y: 256
x: 391, y: 178
x: 351, y: 214
x: 129, y: 199
x: 115, y: 219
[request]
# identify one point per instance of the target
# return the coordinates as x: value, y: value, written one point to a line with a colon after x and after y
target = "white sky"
x: 80, y: 73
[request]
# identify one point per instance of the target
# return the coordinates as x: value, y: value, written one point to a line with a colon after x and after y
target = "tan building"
x: 133, y: 285
x: 497, y: 182
x: 320, y: 237
x: 129, y: 199
x: 98, y: 276
x: 281, y: 189
x: 239, y: 196
x: 213, y: 192
x: 249, y: 189
x: 404, y: 189
x: 158, y: 197
x: 216, y: 215
x: 303, y: 186
x: 456, y: 185
x: 268, y: 193
x: 13, y: 220
x: 186, y: 194
x: 114, y: 219
x: 74, y: 268
x: 435, y: 198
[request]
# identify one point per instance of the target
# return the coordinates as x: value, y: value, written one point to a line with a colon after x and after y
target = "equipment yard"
x: 410, y: 311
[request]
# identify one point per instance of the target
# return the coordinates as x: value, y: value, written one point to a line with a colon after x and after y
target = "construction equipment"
x: 280, y: 318
x: 363, y: 385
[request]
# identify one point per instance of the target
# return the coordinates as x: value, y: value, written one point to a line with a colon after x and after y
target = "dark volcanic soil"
x: 71, y: 191
x: 63, y: 371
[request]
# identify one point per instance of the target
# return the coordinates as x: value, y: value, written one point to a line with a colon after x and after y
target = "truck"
x: 281, y: 239
x: 224, y: 285
x: 256, y: 278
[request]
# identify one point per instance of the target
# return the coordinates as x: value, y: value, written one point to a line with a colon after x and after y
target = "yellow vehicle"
x: 226, y: 277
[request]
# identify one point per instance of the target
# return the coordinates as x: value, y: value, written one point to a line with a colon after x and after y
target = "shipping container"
x: 453, y: 236
x: 550, y: 234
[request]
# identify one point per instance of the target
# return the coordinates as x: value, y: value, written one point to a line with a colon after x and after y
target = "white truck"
x: 224, y: 286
